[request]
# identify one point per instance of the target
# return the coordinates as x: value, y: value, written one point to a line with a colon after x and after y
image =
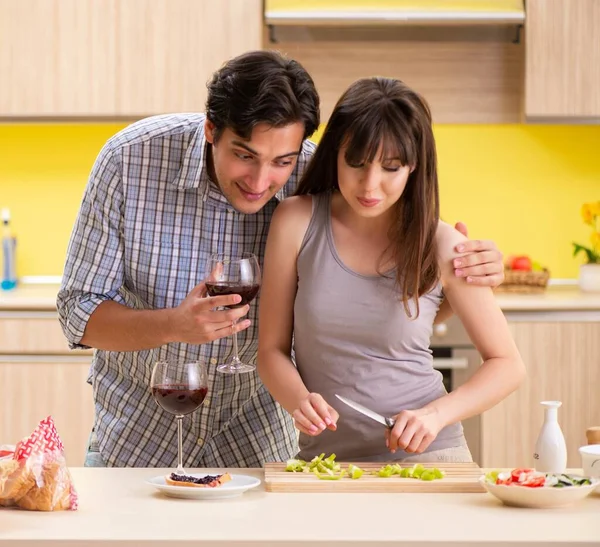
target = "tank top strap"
x: 319, y: 218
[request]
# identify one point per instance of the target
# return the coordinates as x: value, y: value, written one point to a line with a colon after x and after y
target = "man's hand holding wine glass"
x: 198, y: 319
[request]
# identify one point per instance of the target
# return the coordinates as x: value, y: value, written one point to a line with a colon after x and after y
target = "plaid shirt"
x: 150, y: 218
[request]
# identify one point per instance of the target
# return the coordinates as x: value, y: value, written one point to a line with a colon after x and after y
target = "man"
x: 164, y: 194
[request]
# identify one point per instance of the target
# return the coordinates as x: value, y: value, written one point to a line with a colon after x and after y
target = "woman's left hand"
x: 414, y: 430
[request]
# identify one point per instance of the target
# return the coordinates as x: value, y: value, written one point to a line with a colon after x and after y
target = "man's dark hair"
x: 261, y: 87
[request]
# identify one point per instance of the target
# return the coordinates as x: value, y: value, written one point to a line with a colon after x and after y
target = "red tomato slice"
x: 507, y: 480
x: 534, y: 481
x: 519, y: 472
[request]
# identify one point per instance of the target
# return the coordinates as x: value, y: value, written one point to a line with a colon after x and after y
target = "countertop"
x: 29, y: 297
x: 555, y: 298
x: 118, y: 508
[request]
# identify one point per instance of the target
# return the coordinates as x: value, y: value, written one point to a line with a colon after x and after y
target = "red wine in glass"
x: 179, y: 387
x: 179, y: 398
x: 220, y: 288
x: 234, y: 274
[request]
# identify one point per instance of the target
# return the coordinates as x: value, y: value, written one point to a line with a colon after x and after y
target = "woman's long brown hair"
x: 384, y: 112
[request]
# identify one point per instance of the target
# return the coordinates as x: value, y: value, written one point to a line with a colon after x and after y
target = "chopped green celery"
x: 329, y: 461
x: 316, y: 461
x: 295, y: 465
x: 329, y: 477
x: 327, y: 468
x: 322, y: 469
x: 417, y: 470
x: 439, y: 474
x: 427, y: 475
x: 386, y: 471
x: 354, y: 471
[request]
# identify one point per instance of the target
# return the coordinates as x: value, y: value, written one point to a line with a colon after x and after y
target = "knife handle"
x: 389, y: 422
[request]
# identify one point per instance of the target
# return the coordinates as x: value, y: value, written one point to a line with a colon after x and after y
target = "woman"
x: 356, y: 267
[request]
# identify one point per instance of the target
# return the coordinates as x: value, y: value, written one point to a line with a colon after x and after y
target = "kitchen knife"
x: 388, y: 422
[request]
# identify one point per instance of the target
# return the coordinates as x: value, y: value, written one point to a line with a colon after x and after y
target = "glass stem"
x: 236, y: 358
x: 180, y: 469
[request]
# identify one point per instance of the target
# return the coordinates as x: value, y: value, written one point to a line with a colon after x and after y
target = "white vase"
x: 589, y: 277
x: 550, y: 448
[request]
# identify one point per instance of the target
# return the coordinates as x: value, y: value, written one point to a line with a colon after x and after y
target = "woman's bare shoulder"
x: 292, y: 217
x: 298, y: 206
x: 447, y: 238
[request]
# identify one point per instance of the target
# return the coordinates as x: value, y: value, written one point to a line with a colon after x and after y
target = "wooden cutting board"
x: 460, y: 477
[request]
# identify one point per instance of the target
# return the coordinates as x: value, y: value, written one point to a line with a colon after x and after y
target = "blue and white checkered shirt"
x: 150, y: 218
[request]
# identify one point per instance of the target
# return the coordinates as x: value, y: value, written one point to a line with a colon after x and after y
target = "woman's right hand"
x: 314, y: 415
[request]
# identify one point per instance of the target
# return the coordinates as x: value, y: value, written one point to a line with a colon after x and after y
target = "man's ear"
x: 209, y: 131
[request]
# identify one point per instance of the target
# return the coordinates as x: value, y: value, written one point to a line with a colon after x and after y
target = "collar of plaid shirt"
x: 194, y: 171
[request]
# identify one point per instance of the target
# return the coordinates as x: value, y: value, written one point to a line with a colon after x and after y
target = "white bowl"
x: 590, y: 460
x: 542, y: 497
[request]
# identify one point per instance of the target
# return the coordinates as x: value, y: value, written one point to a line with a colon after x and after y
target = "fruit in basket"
x: 521, y: 263
x: 523, y: 275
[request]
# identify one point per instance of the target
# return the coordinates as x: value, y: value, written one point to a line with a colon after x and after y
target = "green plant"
x: 590, y: 212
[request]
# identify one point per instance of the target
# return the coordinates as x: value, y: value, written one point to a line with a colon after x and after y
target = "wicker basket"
x: 517, y: 281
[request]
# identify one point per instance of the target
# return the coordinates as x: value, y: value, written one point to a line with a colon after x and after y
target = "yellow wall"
x: 520, y: 185
x: 43, y: 171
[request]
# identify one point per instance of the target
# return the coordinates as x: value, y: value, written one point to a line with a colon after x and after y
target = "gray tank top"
x: 352, y: 337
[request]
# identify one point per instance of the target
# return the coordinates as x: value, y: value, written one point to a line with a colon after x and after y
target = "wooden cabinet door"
x: 34, y: 387
x: 94, y: 58
x: 562, y: 44
x: 563, y: 363
x: 33, y: 332
x: 169, y: 49
x: 57, y: 58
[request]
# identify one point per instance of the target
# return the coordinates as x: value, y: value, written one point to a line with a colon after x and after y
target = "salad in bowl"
x: 526, y: 487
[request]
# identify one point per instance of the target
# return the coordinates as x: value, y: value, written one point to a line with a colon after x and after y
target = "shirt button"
x: 200, y: 441
x: 213, y: 361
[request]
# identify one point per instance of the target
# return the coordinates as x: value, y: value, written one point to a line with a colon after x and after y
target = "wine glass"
x: 180, y: 388
x: 234, y: 275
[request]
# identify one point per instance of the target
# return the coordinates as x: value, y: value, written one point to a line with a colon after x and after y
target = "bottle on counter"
x: 9, y: 242
x: 550, y: 448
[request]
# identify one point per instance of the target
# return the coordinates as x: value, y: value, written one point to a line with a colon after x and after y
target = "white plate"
x: 231, y: 489
x: 542, y: 497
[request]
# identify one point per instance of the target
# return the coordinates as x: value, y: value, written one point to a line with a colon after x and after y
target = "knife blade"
x: 388, y: 422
